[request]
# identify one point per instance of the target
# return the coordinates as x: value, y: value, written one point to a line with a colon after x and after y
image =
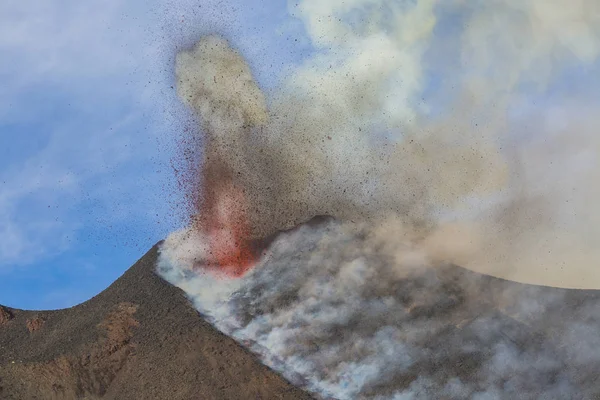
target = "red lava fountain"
x: 215, y: 81
x: 222, y: 217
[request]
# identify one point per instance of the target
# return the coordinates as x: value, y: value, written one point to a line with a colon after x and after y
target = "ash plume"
x: 421, y: 176
x: 346, y: 135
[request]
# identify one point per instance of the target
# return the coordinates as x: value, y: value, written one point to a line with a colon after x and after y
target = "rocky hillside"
x: 139, y: 339
x: 142, y: 339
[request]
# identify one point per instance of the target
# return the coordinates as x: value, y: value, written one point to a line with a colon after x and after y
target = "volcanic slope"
x: 142, y: 339
x: 138, y: 339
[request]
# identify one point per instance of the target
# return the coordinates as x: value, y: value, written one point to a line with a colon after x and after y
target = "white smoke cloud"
x: 344, y: 321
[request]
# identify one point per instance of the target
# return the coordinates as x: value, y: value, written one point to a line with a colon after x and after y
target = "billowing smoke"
x: 333, y: 308
x: 405, y: 126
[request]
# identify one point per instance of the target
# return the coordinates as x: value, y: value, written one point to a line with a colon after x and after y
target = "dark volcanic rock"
x: 139, y: 339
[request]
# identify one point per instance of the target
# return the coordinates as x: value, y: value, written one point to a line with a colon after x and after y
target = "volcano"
x: 141, y: 339
x: 341, y: 315
x: 138, y: 339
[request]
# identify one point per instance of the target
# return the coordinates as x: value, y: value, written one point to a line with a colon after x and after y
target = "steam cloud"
x: 426, y: 179
x: 337, y: 313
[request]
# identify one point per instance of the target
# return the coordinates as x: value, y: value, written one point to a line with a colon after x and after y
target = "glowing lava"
x: 223, y: 219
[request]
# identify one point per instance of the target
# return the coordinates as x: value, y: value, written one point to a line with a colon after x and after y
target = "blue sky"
x: 88, y: 123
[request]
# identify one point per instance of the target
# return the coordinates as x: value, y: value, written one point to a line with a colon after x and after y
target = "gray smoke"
x: 337, y: 314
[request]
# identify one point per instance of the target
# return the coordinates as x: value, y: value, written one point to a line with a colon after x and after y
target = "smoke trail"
x: 428, y: 174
